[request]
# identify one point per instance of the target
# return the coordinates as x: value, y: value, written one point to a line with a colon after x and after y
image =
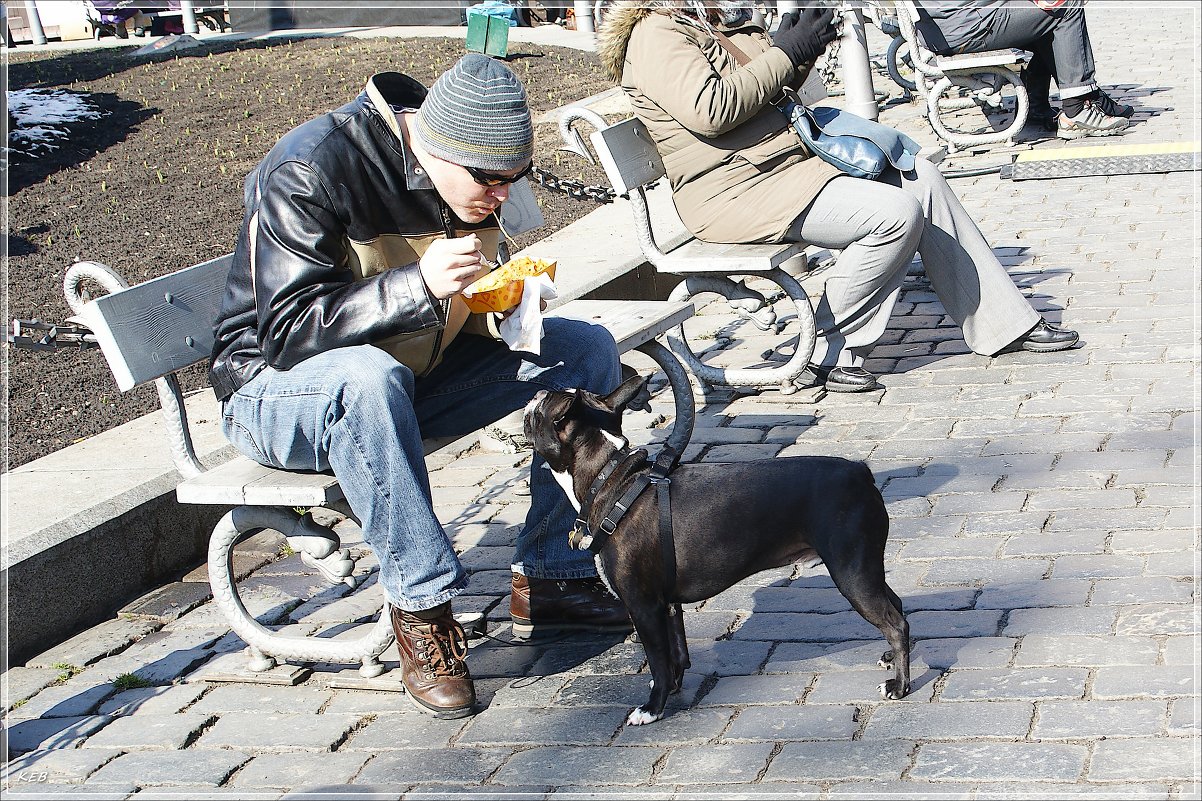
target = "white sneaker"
x: 1092, y: 121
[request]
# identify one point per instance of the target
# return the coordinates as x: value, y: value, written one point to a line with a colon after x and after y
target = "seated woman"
x: 739, y: 173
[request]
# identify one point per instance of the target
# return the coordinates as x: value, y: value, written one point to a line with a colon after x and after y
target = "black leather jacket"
x: 337, y: 215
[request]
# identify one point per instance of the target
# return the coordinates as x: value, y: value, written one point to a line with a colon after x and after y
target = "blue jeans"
x: 359, y: 413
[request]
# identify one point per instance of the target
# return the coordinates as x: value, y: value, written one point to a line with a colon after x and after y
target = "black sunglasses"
x: 486, y: 178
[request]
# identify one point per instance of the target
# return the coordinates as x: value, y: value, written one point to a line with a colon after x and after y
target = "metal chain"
x: 36, y: 335
x: 831, y: 64
x: 577, y: 190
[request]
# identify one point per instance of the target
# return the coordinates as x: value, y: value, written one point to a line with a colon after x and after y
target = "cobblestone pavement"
x: 1044, y: 542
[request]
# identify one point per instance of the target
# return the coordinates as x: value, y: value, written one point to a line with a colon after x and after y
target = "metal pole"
x: 583, y: 10
x: 190, y: 25
x: 857, y: 72
x: 785, y: 6
x: 35, y: 22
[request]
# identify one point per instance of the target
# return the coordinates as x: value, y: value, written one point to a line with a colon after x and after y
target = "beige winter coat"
x: 738, y: 171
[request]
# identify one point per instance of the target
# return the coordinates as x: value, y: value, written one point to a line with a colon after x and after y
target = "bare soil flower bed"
x: 154, y: 184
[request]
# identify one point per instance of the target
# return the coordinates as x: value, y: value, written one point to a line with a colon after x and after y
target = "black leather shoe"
x: 846, y: 379
x: 1044, y: 338
x: 1043, y: 117
x: 536, y: 605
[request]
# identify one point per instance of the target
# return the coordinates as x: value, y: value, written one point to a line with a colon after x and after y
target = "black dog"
x: 727, y: 521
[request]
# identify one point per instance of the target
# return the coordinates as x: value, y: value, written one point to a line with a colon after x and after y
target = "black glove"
x: 806, y: 38
x: 787, y: 21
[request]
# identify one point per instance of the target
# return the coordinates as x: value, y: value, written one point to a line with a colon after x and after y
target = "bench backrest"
x: 160, y: 326
x: 628, y: 155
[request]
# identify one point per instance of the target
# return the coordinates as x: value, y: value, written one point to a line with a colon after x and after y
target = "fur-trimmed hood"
x: 615, y: 32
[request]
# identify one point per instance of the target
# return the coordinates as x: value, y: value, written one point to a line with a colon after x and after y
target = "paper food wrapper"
x: 523, y: 328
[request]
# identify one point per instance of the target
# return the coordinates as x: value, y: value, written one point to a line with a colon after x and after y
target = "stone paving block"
x: 726, y: 763
x: 781, y: 689
x: 50, y: 733
x: 46, y: 790
x: 278, y: 731
x: 727, y: 657
x: 287, y: 771
x: 988, y: 525
x: 594, y: 725
x: 808, y: 657
x: 803, y: 626
x: 1182, y: 650
x: 883, y: 760
x: 79, y: 696
x: 169, y: 731
x: 1097, y: 566
x: 860, y: 687
x: 170, y: 602
x: 1145, y: 758
x: 1145, y: 518
x: 1142, y: 589
x: 1042, y: 593
x: 22, y: 683
x: 971, y: 761
x: 104, y: 639
x: 581, y: 766
x: 980, y: 502
x: 1061, y: 790
x: 55, y: 766
x: 1184, y: 717
x: 704, y: 624
x: 1098, y: 719
x: 194, y: 766
x: 162, y: 657
x: 1156, y: 619
x: 627, y: 691
x: 1019, y: 683
x: 1057, y: 544
x: 526, y: 691
x: 952, y: 548
x: 794, y: 722
x: 954, y: 623
x: 698, y: 725
x: 223, y: 698
x: 152, y: 700
x: 985, y: 572
x: 411, y: 728
x: 600, y: 655
x: 1179, y: 540
x: 1088, y: 620
x: 901, y: 789
x: 943, y: 721
x: 960, y: 652
x: 1050, y: 649
x: 1124, y: 681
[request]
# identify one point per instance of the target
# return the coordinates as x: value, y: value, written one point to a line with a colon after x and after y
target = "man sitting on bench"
x: 343, y: 341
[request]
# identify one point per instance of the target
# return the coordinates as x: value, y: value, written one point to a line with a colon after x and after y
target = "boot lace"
x: 443, y: 648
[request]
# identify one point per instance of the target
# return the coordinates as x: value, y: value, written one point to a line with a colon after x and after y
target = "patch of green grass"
x: 129, y: 681
x: 66, y: 670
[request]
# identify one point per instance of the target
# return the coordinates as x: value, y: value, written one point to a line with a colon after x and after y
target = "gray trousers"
x: 1059, y: 38
x: 878, y: 225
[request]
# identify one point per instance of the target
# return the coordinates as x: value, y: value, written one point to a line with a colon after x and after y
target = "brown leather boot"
x: 564, y: 604
x: 433, y: 648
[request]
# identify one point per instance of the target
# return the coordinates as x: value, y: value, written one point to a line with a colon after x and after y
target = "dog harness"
x: 631, y: 461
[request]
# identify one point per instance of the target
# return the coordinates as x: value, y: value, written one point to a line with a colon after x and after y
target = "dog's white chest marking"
x: 565, y: 480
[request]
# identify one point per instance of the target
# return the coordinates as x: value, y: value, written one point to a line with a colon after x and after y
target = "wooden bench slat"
x: 632, y: 322
x: 242, y: 481
x: 696, y: 256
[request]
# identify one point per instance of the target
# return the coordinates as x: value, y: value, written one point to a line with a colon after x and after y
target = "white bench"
x: 632, y: 164
x: 982, y: 77
x: 150, y: 331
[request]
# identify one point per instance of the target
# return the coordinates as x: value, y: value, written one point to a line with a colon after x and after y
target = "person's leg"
x: 350, y: 411
x: 973, y: 286
x: 553, y: 586
x: 876, y: 227
x: 481, y: 380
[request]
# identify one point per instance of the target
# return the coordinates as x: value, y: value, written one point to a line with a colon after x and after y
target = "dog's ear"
x: 558, y: 407
x: 627, y: 392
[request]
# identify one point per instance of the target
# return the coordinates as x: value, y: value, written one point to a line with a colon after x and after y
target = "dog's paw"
x: 892, y: 690
x: 886, y: 660
x: 640, y: 717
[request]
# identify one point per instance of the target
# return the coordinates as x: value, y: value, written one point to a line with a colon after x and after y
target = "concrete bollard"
x: 859, y: 95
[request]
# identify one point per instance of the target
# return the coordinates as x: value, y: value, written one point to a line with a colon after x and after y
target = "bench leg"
x: 987, y: 92
x: 782, y: 377
x: 265, y: 644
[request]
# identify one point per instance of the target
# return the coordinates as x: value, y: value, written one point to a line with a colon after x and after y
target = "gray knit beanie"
x: 476, y: 115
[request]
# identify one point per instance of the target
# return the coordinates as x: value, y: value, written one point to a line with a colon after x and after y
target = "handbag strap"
x: 790, y: 94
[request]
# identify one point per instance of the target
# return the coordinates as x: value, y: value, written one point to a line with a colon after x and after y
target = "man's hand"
x: 807, y: 35
x: 449, y: 265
